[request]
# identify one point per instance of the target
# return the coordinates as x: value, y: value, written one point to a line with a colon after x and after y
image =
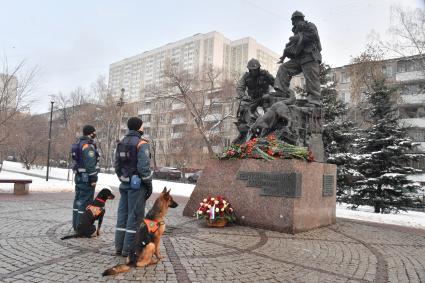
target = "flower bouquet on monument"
x: 268, y: 148
x: 217, y: 211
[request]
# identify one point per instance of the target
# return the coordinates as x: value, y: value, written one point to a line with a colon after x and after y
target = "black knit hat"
x: 88, y: 129
x: 134, y: 123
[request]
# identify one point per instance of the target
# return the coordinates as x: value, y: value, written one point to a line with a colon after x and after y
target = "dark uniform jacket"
x: 255, y: 86
x: 90, y: 157
x: 310, y: 42
x: 143, y: 160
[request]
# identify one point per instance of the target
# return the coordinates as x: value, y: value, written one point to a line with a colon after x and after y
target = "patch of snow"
x: 417, y: 177
x: 366, y: 213
x: 38, y: 184
x: 392, y: 175
x: 105, y: 180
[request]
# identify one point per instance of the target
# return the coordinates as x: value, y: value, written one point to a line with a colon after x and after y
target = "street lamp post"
x: 120, y: 104
x: 50, y: 139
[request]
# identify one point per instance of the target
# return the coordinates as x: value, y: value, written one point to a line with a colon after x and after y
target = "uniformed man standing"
x: 303, y: 50
x: 132, y: 166
x: 252, y: 89
x: 86, y: 157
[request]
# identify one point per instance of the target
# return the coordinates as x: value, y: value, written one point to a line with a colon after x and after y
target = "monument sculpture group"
x: 286, y: 195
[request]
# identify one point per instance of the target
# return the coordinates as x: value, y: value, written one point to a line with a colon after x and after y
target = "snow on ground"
x: 414, y: 219
x: 39, y: 183
x: 365, y: 213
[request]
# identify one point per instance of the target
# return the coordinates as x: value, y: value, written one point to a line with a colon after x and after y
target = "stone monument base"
x: 288, y: 196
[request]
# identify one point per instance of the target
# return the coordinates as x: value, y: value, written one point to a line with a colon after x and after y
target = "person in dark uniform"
x: 86, y: 157
x: 303, y: 50
x: 252, y: 90
x: 132, y: 166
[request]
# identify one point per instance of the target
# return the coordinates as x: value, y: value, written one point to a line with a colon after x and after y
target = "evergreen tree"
x: 384, y: 152
x: 338, y: 133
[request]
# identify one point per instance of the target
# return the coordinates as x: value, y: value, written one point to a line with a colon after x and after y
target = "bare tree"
x: 30, y: 138
x: 202, y: 97
x: 107, y: 119
x: 16, y: 84
x: 407, y: 31
x: 363, y: 71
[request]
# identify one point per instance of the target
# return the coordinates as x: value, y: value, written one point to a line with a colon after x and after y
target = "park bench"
x: 21, y: 186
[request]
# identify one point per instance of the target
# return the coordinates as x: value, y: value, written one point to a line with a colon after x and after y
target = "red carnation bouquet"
x: 215, y: 208
x: 268, y: 148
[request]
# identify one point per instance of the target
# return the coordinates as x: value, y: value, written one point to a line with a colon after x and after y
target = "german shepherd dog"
x: 94, y: 211
x: 148, y: 237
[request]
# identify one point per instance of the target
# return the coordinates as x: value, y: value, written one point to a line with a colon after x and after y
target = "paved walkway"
x: 31, y: 251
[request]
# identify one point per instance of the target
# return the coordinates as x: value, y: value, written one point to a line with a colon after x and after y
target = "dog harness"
x: 95, y: 210
x: 153, y: 225
x: 147, y: 231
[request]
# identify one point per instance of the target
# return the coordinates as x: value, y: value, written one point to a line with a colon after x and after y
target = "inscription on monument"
x: 328, y: 186
x: 273, y: 184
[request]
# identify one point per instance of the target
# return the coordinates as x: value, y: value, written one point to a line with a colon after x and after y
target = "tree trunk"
x: 378, y: 205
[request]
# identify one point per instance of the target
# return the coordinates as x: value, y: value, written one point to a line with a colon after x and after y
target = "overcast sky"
x: 73, y: 42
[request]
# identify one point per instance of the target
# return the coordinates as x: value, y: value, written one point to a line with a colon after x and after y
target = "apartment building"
x: 141, y: 72
x: 174, y: 135
x: 408, y: 75
x: 8, y: 90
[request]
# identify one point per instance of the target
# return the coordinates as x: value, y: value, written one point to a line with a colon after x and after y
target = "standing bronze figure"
x: 303, y: 51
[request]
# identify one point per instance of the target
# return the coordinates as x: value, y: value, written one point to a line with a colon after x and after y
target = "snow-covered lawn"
x: 411, y: 218
x: 39, y: 184
x: 414, y: 219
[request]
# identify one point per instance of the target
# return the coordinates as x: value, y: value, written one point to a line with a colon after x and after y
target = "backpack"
x: 77, y: 154
x: 127, y: 155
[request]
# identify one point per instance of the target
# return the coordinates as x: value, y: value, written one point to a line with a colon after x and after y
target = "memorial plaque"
x: 328, y: 186
x: 273, y: 184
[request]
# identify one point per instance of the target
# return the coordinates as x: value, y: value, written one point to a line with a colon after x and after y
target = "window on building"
x: 406, y: 66
x: 146, y: 117
x: 345, y: 78
x: 343, y: 96
x: 410, y: 89
x: 387, y: 71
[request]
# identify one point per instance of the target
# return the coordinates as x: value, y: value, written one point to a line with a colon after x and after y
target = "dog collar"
x: 101, y: 200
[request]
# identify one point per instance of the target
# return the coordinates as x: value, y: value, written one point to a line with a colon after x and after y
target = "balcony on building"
x: 144, y: 111
x: 177, y: 106
x: 213, y: 117
x: 410, y: 76
x: 178, y: 121
x: 176, y: 135
x: 413, y: 122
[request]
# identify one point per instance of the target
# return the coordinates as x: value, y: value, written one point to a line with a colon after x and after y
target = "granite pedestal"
x: 283, y: 195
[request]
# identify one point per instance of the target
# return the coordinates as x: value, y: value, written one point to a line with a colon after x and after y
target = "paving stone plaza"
x: 31, y: 249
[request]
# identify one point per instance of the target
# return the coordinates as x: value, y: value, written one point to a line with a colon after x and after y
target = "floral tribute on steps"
x: 268, y: 148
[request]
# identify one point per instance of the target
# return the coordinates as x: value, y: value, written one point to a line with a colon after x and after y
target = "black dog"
x: 94, y: 211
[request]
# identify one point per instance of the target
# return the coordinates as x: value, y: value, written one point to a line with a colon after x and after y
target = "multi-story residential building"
x: 175, y: 137
x: 408, y: 75
x: 8, y: 91
x: 146, y: 70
